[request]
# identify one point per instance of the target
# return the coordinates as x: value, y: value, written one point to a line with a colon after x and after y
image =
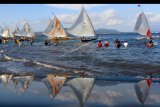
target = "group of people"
x: 118, y: 43
x: 3, y: 40
x: 106, y: 44
x: 48, y: 42
x: 17, y: 41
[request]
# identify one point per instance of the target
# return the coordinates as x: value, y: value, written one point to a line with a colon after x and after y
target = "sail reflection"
x: 80, y: 88
x: 5, y: 79
x: 54, y: 84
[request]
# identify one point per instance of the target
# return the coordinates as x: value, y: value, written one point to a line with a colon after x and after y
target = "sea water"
x: 73, y: 57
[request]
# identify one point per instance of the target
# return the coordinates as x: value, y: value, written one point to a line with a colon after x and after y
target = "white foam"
x: 35, y: 62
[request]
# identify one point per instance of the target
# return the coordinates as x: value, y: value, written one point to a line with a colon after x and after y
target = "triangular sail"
x: 27, y: 31
x: 82, y: 26
x: 49, y: 27
x: 7, y: 33
x: 142, y: 26
x: 16, y: 31
x: 82, y: 88
x: 142, y: 89
x: 54, y: 84
x: 58, y: 30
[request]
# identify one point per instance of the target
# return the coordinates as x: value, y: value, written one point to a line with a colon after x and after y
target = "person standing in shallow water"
x: 46, y: 42
x: 31, y: 41
x: 150, y: 44
x: 106, y: 43
x: 117, y: 43
x: 99, y: 44
x: 125, y: 44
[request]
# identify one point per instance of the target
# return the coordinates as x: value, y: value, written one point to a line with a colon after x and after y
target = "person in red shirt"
x: 106, y: 44
x: 99, y: 44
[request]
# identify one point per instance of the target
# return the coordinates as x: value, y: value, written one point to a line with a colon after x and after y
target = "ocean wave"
x: 37, y: 63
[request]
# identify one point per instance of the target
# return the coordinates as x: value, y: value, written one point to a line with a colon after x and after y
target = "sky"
x: 121, y: 17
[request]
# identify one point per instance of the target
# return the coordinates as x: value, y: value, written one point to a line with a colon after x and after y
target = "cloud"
x: 155, y: 18
x: 105, y: 18
x: 75, y: 6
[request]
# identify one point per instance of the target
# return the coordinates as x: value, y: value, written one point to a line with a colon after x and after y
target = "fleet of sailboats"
x: 25, y: 33
x: 82, y: 28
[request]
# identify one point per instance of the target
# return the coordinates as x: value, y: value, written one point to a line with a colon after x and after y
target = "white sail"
x: 7, y: 33
x: 82, y: 88
x: 17, y: 31
x: 49, y: 27
x: 142, y: 89
x: 27, y: 31
x: 54, y: 84
x: 82, y: 26
x: 57, y: 30
x: 142, y: 26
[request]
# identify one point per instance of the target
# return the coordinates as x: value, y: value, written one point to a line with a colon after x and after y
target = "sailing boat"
x: 55, y: 31
x: 58, y: 32
x: 7, y: 33
x: 27, y: 31
x: 142, y: 26
x: 83, y: 27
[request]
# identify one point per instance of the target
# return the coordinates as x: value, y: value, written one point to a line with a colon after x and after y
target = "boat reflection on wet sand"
x: 28, y: 90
